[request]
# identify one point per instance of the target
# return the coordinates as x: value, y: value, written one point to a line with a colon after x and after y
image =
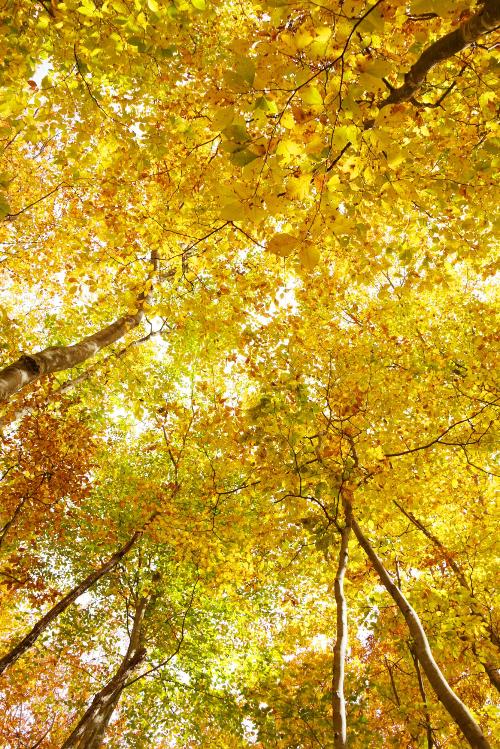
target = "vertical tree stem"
x: 91, y: 728
x: 340, y: 647
x: 491, y: 668
x: 421, y: 689
x: 452, y: 703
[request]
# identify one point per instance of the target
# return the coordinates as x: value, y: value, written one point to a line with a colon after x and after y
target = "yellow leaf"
x: 379, y: 68
x: 343, y: 135
x: 395, y: 156
x: 302, y: 39
x: 288, y: 149
x: 323, y: 34
x: 376, y: 453
x: 342, y: 224
x: 232, y: 211
x: 333, y: 183
x: 371, y: 83
x: 287, y: 121
x: 311, y: 95
x: 487, y: 102
x: 282, y: 244
x: 309, y: 255
x: 298, y: 187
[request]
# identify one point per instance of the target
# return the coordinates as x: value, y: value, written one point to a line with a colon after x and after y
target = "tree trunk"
x: 421, y: 689
x: 8, y: 525
x: 466, y: 34
x: 30, y: 367
x: 492, y: 670
x: 340, y: 647
x: 73, y: 382
x: 43, y: 623
x: 90, y: 731
x: 455, y: 707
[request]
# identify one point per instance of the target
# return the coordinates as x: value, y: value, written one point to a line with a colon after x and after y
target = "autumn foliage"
x: 248, y: 390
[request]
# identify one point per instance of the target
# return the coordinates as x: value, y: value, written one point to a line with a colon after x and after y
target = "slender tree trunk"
x: 90, y: 731
x: 492, y: 670
x: 8, y: 525
x: 421, y: 689
x: 466, y: 34
x: 340, y: 647
x: 43, y: 623
x: 452, y: 703
x: 30, y: 367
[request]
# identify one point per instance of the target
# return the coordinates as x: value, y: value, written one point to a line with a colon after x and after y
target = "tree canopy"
x: 249, y: 402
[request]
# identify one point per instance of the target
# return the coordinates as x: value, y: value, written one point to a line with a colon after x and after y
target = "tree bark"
x: 90, y: 731
x: 30, y: 367
x: 421, y: 689
x: 445, y: 694
x: 486, y: 20
x: 73, y: 382
x: 42, y: 624
x: 340, y: 647
x: 491, y: 669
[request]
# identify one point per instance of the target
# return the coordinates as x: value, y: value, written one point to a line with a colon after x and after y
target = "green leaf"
x: 4, y: 207
x: 246, y: 69
x: 244, y: 157
x: 236, y: 133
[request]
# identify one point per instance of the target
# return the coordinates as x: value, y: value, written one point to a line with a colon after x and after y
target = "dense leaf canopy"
x: 249, y: 398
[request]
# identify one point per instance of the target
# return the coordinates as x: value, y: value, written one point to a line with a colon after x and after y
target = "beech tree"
x: 92, y: 726
x: 248, y: 386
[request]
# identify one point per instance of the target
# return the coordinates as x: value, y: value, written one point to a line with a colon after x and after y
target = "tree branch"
x: 29, y: 640
x: 11, y: 216
x: 30, y: 367
x: 442, y: 49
